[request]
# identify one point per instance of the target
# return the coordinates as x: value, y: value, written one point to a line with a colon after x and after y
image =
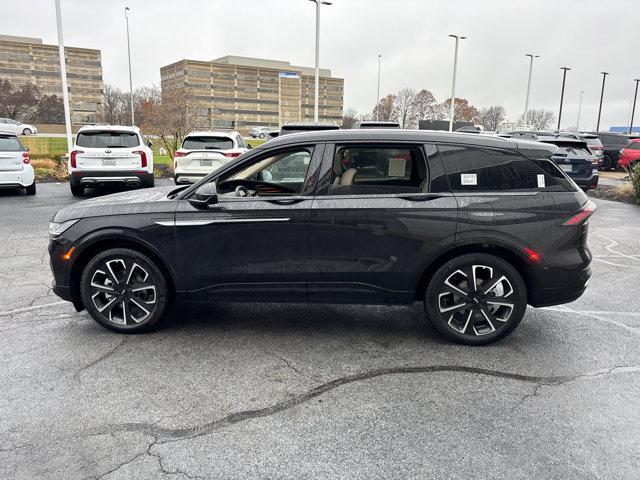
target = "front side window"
x: 107, y: 139
x: 485, y: 169
x: 378, y: 170
x: 281, y: 174
x: 207, y: 143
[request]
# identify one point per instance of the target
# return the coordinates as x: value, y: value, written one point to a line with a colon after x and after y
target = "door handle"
x: 420, y: 198
x: 287, y: 201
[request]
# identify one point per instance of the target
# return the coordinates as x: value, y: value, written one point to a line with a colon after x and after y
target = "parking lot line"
x: 35, y: 307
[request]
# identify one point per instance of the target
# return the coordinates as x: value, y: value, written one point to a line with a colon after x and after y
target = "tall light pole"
x: 633, y: 109
x: 579, y: 110
x: 604, y: 77
x: 378, y: 95
x: 564, y: 79
x: 63, y: 77
x: 453, y: 82
x: 317, y: 84
x: 126, y: 18
x: 526, y: 103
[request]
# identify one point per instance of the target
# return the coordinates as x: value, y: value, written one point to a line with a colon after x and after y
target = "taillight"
x: 595, y: 160
x: 179, y: 154
x: 582, y: 215
x: 72, y: 158
x: 25, y: 158
x: 143, y: 158
x: 232, y: 154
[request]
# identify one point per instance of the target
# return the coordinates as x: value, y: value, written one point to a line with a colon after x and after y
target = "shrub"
x: 47, y: 163
x: 634, y: 177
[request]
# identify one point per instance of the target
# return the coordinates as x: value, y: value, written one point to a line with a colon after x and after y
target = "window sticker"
x: 541, y: 180
x: 468, y: 179
x: 397, y: 167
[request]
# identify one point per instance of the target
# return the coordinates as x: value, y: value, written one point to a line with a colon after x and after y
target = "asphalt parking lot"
x: 301, y: 391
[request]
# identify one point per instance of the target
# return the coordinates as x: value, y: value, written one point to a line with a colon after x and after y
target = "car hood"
x: 148, y: 200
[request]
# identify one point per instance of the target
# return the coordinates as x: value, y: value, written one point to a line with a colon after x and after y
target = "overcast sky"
x: 587, y: 35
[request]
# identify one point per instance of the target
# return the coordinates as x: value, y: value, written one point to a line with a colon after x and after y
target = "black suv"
x: 475, y: 226
x: 613, y: 143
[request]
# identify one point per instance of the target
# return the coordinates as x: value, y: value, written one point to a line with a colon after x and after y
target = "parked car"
x: 378, y: 124
x: 19, y: 128
x: 15, y: 164
x: 593, y: 143
x: 612, y: 144
x: 259, y: 132
x: 573, y: 157
x: 630, y: 155
x: 298, y: 127
x: 203, y: 152
x: 475, y: 226
x: 107, y: 155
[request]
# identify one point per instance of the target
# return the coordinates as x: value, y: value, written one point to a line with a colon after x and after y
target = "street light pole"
x: 63, y: 77
x: 317, y: 80
x: 453, y: 82
x: 526, y: 103
x: 564, y: 79
x: 633, y: 109
x: 579, y: 110
x: 604, y: 77
x: 126, y: 18
x: 378, y: 95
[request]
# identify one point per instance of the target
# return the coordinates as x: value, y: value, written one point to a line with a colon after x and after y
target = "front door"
x: 381, y: 213
x: 251, y: 245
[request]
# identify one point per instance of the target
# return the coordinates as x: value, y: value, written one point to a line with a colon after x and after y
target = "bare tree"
x: 170, y: 115
x: 491, y: 118
x: 350, y: 118
x: 426, y: 107
x: 463, y: 110
x: 405, y: 111
x: 539, y: 119
x: 385, y: 110
x: 114, y: 107
x: 17, y: 103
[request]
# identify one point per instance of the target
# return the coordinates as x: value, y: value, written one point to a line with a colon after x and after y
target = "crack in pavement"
x: 101, y: 358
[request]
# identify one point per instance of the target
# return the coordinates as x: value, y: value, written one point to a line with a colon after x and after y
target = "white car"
x: 106, y: 155
x: 15, y: 164
x: 203, y: 152
x: 13, y: 126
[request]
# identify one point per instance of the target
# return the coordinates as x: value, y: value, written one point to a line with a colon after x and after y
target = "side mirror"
x: 205, y: 196
x: 249, y: 146
x: 149, y: 144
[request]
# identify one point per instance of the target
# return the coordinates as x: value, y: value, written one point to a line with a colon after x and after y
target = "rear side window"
x: 207, y: 143
x: 378, y: 170
x: 485, y: 169
x: 10, y: 144
x: 107, y: 139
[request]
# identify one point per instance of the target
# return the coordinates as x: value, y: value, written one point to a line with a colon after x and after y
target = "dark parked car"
x: 378, y: 124
x: 475, y: 226
x: 593, y: 143
x: 299, y: 127
x: 573, y: 157
x: 613, y: 143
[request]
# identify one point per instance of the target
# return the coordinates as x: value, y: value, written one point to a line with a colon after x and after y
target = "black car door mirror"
x: 205, y: 196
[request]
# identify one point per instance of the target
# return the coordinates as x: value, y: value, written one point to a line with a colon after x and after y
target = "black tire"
x: 607, y: 163
x: 31, y: 189
x: 27, y: 131
x: 262, y: 135
x: 77, y: 190
x: 482, y: 322
x: 148, y: 182
x: 140, y: 299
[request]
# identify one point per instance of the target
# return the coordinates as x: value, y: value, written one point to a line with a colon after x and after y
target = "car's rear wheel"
x: 606, y: 163
x: 31, y: 189
x: 124, y: 291
x: 476, y: 299
x: 77, y: 190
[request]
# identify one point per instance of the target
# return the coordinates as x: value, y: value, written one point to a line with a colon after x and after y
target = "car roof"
x: 393, y: 135
x: 212, y: 133
x: 99, y: 127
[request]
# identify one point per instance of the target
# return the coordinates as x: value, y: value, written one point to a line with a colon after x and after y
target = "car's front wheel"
x: 27, y: 131
x: 476, y: 299
x: 262, y: 135
x: 124, y: 291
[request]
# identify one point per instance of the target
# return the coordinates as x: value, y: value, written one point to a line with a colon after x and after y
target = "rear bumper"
x: 17, y: 178
x: 587, y: 182
x: 116, y: 177
x: 544, y: 297
x: 184, y: 178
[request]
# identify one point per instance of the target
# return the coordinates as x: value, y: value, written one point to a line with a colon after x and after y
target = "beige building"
x: 243, y: 92
x: 27, y: 60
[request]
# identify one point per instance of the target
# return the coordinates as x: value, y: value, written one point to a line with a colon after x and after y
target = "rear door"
x: 108, y: 150
x: 10, y: 154
x: 382, y: 211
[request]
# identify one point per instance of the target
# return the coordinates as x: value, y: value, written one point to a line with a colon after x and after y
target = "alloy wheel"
x: 123, y: 292
x: 476, y: 300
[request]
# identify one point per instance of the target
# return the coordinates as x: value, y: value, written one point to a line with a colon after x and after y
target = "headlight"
x: 57, y: 229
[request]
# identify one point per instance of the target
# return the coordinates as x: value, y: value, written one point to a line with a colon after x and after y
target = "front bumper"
x: 109, y: 178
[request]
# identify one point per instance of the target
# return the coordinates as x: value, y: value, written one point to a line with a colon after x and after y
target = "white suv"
x: 110, y: 155
x: 15, y: 164
x: 203, y: 152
